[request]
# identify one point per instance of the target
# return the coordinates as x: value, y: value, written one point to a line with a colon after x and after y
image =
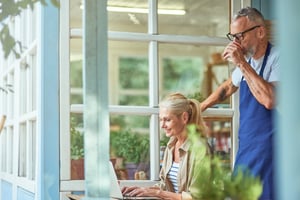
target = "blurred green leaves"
x: 8, y: 10
x: 216, y: 182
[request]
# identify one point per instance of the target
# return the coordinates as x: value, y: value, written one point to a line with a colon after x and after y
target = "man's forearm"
x: 223, y: 91
x: 262, y: 90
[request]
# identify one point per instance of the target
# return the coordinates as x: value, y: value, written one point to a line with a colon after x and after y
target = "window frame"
x: 153, y: 39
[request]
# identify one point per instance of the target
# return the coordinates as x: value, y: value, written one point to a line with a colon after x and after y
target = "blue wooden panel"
x: 288, y: 137
x: 6, y: 190
x: 48, y: 157
x: 256, y: 4
x: 24, y: 194
x: 266, y: 7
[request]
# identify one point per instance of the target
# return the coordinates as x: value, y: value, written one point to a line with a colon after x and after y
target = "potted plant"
x: 132, y: 147
x: 77, y: 153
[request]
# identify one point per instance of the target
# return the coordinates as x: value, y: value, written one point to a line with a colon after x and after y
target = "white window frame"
x: 153, y: 39
x: 12, y: 72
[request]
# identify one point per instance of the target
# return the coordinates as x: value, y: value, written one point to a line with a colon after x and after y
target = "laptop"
x: 115, y: 190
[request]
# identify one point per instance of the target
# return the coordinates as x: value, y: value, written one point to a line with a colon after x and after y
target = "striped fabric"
x: 172, y: 175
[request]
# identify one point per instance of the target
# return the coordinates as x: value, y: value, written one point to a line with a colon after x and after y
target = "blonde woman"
x: 176, y: 112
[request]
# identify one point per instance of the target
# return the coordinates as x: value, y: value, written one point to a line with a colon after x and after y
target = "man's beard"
x: 249, y: 52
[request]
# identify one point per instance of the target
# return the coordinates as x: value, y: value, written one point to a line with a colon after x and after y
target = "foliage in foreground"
x: 216, y: 182
x: 10, y: 9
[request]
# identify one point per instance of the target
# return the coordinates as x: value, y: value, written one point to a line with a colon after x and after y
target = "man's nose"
x: 236, y: 39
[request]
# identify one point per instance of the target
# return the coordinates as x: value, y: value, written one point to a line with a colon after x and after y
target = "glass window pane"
x: 129, y: 146
x: 9, y: 96
x: 3, y: 150
x: 76, y: 82
x: 77, y: 147
x: 23, y: 90
x: 7, y: 150
x: 22, y: 151
x: 127, y: 16
x: 76, y: 79
x: 10, y: 150
x: 216, y: 74
x: 33, y: 61
x: 133, y: 81
x: 191, y: 70
x: 219, y: 138
x: 202, y: 17
x: 128, y: 73
x: 33, y: 148
x: 76, y: 14
x: 182, y: 74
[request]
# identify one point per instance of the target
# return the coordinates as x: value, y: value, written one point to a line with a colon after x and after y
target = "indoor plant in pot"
x: 77, y: 153
x: 132, y: 147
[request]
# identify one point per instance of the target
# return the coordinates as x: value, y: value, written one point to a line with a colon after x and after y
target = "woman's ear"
x: 185, y: 117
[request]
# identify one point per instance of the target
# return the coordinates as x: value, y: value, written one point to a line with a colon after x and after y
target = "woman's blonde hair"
x: 177, y: 103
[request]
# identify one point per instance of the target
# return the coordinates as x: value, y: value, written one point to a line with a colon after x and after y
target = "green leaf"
x: 133, y: 147
x: 9, y: 9
x: 216, y: 182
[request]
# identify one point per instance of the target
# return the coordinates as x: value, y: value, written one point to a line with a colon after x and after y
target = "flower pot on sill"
x: 131, y: 169
x: 77, y: 169
x: 137, y: 171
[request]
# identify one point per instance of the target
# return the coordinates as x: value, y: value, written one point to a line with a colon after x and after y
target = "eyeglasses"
x: 240, y: 35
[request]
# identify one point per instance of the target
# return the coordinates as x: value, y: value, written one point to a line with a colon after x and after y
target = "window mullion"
x: 153, y: 89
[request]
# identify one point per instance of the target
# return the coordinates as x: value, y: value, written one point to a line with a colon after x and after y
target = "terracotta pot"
x: 77, y: 169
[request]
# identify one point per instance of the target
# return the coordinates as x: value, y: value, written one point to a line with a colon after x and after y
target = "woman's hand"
x: 127, y: 190
x: 141, y: 191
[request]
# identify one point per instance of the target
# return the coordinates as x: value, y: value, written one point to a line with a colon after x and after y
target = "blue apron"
x: 256, y: 136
